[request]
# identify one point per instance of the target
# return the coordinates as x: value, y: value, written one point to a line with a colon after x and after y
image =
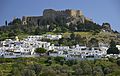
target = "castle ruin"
x: 66, y: 13
x: 52, y: 14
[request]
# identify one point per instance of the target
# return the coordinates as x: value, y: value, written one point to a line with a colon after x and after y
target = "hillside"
x: 57, y: 66
x: 59, y: 22
x: 104, y: 37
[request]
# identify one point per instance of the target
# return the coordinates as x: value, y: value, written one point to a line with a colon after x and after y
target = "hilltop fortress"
x: 66, y: 13
x: 50, y: 14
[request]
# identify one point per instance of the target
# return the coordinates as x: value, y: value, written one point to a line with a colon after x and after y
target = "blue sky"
x: 98, y: 10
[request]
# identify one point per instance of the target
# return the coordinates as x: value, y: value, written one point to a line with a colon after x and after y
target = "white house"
x: 53, y: 37
x: 118, y: 46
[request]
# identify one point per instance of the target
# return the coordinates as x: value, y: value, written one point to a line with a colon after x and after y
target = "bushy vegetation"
x: 74, y: 38
x: 58, y: 66
x: 83, y: 31
x: 15, y: 27
x: 40, y: 50
x: 113, y: 49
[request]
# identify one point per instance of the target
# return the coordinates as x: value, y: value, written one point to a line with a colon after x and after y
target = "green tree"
x: 1, y: 73
x: 36, y: 67
x: 72, y: 36
x: 77, y: 70
x: 87, y: 69
x: 58, y: 29
x: 6, y: 23
x: 40, y: 50
x: 28, y: 72
x: 58, y: 59
x: 48, y: 72
x: 49, y: 61
x: 112, y: 49
x: 16, y: 21
x: 11, y: 34
x: 38, y: 31
x: 16, y: 72
x: 97, y: 71
x: 93, y: 42
x: 71, y: 62
x: 107, y: 70
x: 118, y: 62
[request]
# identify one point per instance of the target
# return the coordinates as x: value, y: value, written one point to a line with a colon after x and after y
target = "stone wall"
x: 33, y: 20
x: 68, y: 12
x: 51, y: 14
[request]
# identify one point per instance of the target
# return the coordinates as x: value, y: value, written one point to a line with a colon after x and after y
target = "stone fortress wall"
x: 30, y: 19
x: 68, y: 12
x: 50, y: 13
